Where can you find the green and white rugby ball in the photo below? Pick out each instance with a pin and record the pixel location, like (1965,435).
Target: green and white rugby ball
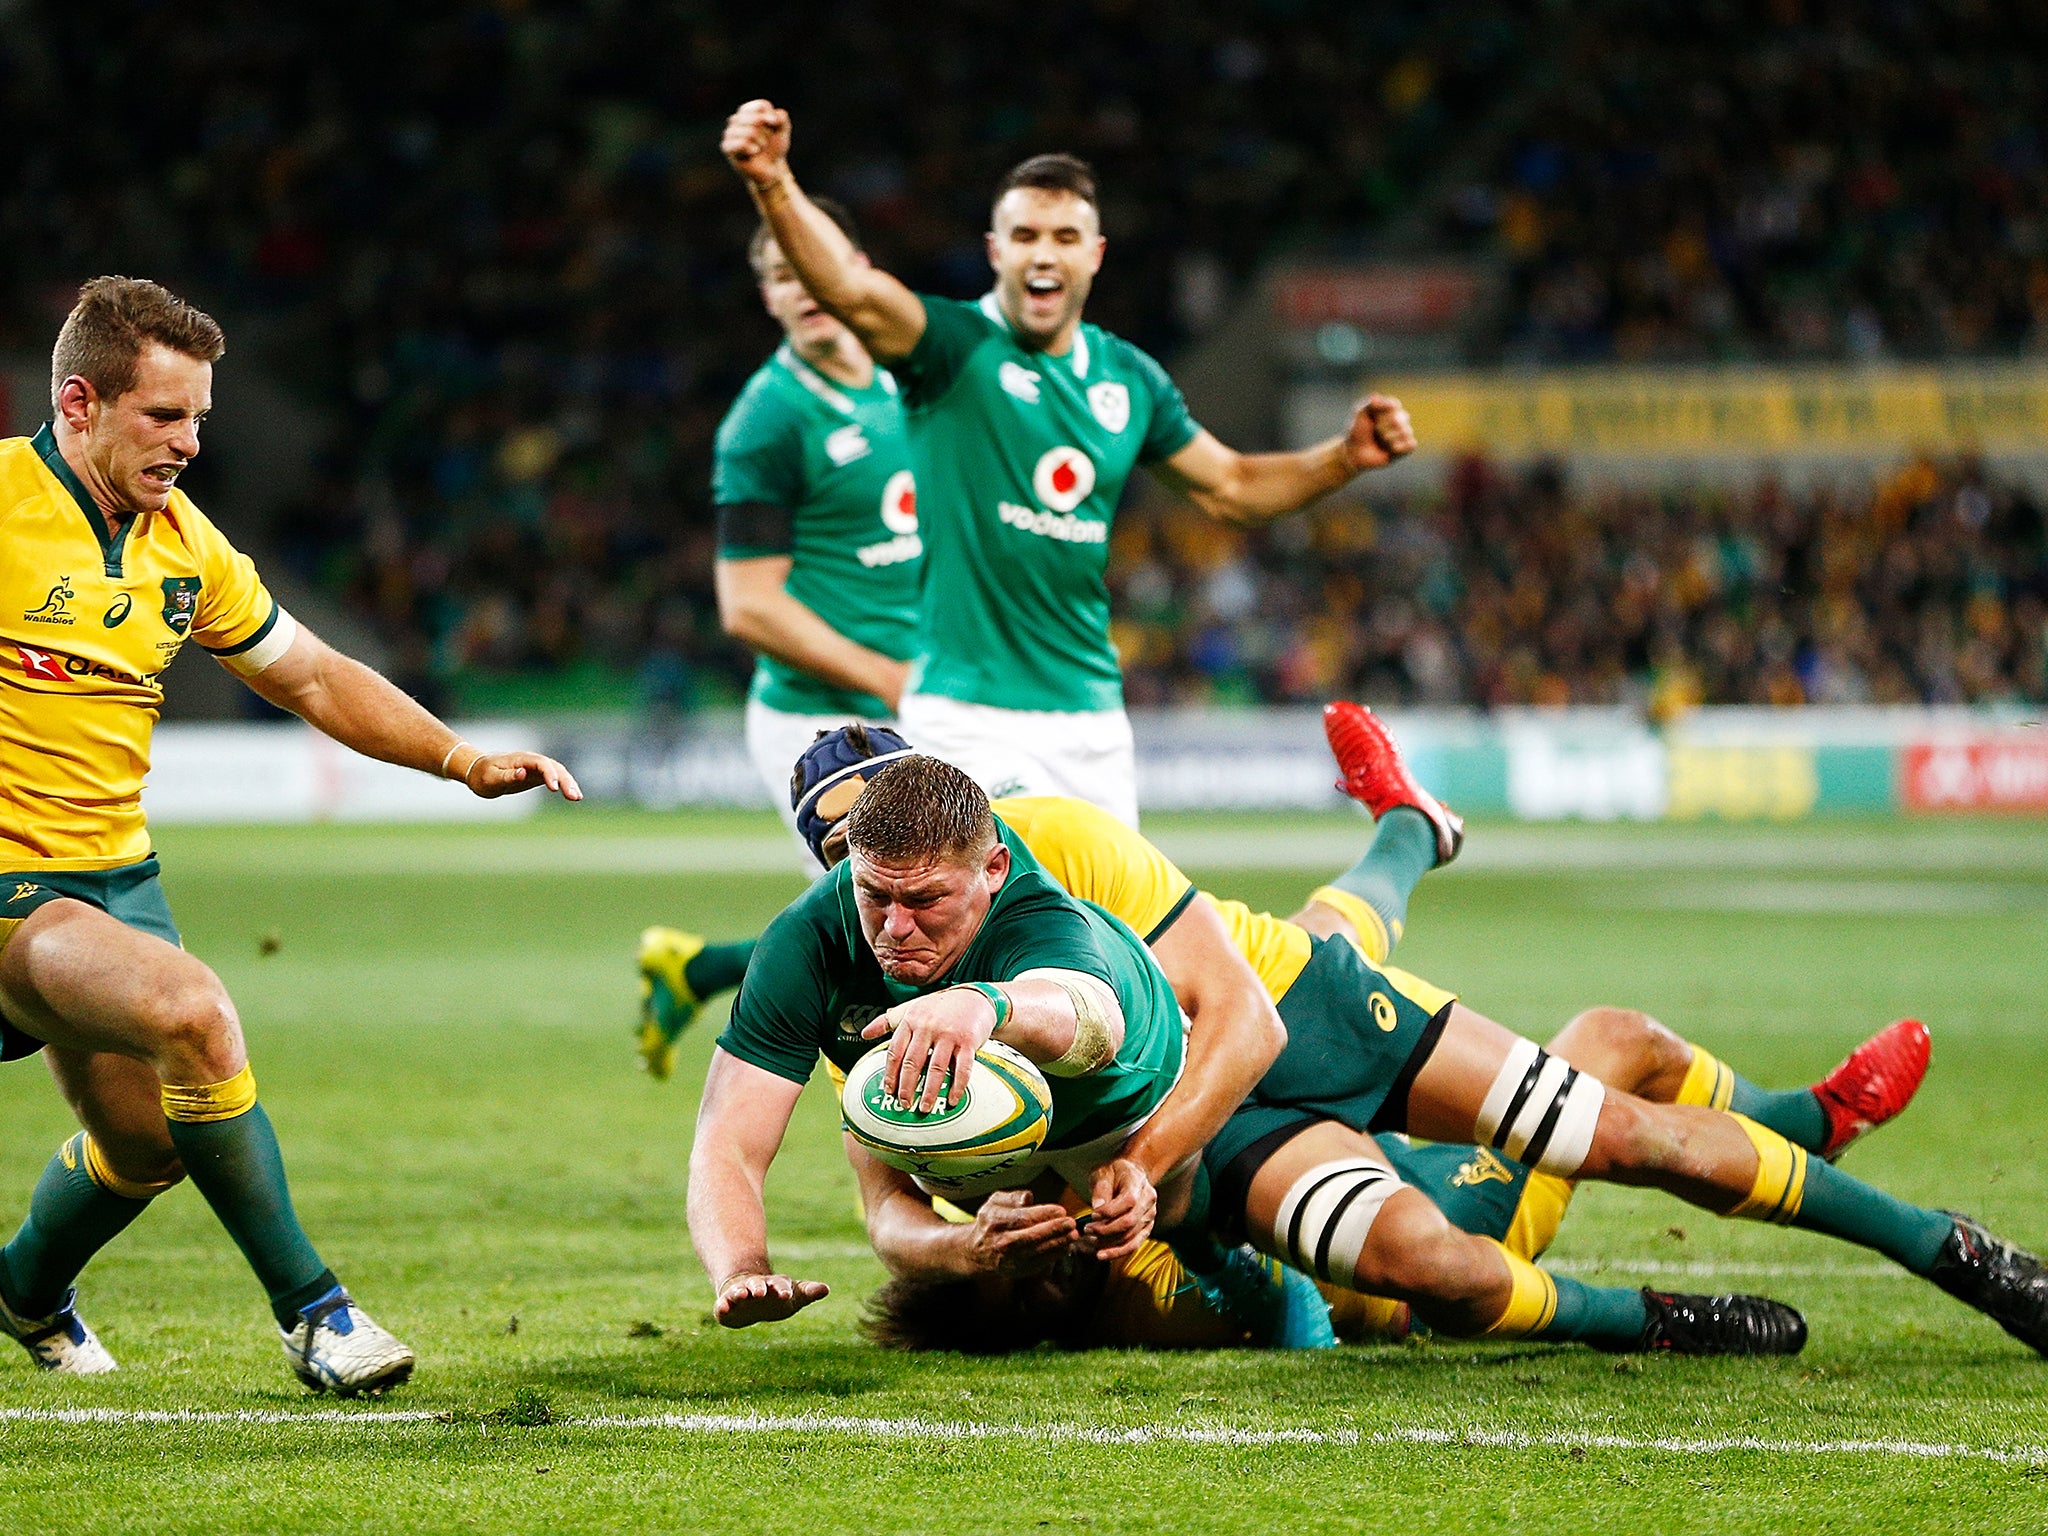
(963,1148)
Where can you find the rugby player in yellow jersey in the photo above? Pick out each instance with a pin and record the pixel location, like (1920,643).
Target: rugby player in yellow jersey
(106,571)
(1296,1172)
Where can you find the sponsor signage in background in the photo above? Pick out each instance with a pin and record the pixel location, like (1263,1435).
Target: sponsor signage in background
(1778,783)
(1401,300)
(1740,411)
(2006,772)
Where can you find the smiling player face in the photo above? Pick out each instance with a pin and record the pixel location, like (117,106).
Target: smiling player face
(1046,247)
(137,445)
(920,914)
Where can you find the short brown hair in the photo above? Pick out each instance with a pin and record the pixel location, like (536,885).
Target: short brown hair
(831,207)
(114,318)
(919,807)
(1052,173)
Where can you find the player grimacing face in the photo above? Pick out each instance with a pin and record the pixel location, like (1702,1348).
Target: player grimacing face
(1046,247)
(137,445)
(920,914)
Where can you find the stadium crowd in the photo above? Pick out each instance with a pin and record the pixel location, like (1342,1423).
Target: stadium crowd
(1931,586)
(495,243)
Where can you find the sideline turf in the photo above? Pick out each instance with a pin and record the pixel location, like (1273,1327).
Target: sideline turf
(442,1036)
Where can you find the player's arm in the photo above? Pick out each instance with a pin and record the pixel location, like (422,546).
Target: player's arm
(1237,1035)
(362,709)
(740,1125)
(1068,1022)
(885,315)
(1013,1233)
(756,608)
(1256,487)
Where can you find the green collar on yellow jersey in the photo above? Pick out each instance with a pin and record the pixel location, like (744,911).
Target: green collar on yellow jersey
(45,444)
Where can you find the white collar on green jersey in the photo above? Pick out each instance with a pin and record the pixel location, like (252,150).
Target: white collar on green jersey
(813,380)
(1077,359)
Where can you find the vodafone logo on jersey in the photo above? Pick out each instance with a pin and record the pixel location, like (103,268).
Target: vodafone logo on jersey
(1064,478)
(42,664)
(899,503)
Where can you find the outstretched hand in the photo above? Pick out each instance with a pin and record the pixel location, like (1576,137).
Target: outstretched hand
(1380,433)
(756,141)
(492,774)
(749,1299)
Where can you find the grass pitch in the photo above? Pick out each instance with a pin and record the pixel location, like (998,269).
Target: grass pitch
(442,1036)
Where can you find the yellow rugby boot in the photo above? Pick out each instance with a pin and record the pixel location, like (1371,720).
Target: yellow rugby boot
(667,1005)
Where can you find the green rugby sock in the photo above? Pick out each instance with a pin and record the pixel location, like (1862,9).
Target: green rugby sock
(717,967)
(70,1218)
(1403,851)
(236,1164)
(1794,1113)
(1842,1205)
(1605,1316)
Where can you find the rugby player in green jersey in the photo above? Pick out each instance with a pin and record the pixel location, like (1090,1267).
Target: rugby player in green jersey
(1294,1168)
(818,561)
(1025,424)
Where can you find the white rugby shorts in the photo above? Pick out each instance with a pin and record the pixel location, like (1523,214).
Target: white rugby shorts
(775,740)
(1087,754)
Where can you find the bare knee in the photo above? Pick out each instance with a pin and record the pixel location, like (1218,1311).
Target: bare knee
(195,1032)
(1417,1255)
(1625,1048)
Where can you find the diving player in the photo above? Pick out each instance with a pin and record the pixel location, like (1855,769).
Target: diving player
(1025,424)
(1368,1050)
(106,571)
(818,562)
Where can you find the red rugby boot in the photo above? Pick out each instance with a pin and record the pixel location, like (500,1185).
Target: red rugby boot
(1376,778)
(1878,1079)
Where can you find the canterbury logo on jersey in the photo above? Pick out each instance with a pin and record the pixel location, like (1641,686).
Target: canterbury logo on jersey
(847,444)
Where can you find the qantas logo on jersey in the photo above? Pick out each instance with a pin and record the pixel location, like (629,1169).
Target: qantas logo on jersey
(1064,478)
(56,667)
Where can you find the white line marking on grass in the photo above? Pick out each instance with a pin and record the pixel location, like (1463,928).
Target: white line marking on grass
(1706,1269)
(913,1428)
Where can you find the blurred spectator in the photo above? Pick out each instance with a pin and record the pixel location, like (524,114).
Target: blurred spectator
(1931,587)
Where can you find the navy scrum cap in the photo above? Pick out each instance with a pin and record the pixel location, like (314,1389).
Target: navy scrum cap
(833,771)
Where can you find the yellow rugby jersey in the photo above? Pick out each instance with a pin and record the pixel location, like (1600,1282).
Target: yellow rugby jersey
(89,619)
(1100,859)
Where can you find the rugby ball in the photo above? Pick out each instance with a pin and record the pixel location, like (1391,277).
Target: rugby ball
(963,1148)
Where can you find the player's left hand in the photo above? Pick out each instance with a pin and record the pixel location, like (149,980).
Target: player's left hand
(1124,1205)
(1380,433)
(933,1036)
(745,1300)
(508,773)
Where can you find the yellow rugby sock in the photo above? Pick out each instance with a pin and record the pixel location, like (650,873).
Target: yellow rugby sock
(1780,1184)
(1375,938)
(1708,1082)
(1532,1299)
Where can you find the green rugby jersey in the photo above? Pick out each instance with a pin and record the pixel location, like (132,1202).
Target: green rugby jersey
(1021,459)
(820,472)
(814,984)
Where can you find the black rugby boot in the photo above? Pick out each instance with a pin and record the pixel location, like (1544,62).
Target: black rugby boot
(2007,1284)
(1721,1325)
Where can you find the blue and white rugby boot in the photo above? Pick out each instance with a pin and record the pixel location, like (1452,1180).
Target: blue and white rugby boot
(60,1342)
(336,1347)
(1280,1306)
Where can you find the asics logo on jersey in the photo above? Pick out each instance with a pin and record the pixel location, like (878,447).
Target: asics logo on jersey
(847,444)
(1064,478)
(54,609)
(1020,381)
(1383,1014)
(117,611)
